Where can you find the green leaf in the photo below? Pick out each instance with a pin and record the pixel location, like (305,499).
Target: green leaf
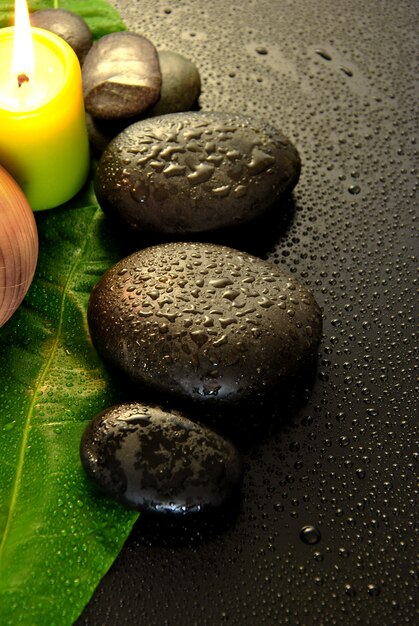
(100,16)
(58,537)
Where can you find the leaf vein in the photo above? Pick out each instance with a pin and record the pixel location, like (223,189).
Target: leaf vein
(40,382)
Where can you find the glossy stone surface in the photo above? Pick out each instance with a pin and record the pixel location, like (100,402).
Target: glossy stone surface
(194,172)
(181,84)
(159,461)
(71,27)
(121,76)
(204,323)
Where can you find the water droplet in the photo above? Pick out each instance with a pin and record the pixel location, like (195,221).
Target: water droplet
(140,191)
(199,337)
(322,53)
(174,169)
(310,535)
(346,70)
(374,590)
(222,192)
(220,282)
(350,591)
(231,294)
(201,174)
(265,303)
(260,161)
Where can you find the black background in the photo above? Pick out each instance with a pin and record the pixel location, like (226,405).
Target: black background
(338,79)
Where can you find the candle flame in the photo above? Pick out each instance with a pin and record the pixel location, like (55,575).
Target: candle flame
(23,55)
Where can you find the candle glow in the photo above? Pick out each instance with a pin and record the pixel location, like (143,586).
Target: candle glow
(30,79)
(23,54)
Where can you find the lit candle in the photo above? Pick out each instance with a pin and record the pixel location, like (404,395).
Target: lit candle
(43,136)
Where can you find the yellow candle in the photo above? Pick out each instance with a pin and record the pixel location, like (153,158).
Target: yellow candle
(43,136)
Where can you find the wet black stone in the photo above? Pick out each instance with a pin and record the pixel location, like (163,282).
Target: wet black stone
(181,84)
(121,76)
(205,324)
(71,27)
(159,461)
(195,172)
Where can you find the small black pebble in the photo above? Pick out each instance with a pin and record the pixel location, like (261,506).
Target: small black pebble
(159,461)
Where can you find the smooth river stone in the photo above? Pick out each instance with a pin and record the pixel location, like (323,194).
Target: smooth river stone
(158,461)
(121,76)
(180,89)
(67,25)
(205,324)
(181,84)
(194,172)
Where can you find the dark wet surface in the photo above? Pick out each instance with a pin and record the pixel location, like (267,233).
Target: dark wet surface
(324,532)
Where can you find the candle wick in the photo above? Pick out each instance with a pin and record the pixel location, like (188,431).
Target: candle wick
(22,78)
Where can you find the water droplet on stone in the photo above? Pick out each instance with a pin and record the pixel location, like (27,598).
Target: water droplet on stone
(140,191)
(220,282)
